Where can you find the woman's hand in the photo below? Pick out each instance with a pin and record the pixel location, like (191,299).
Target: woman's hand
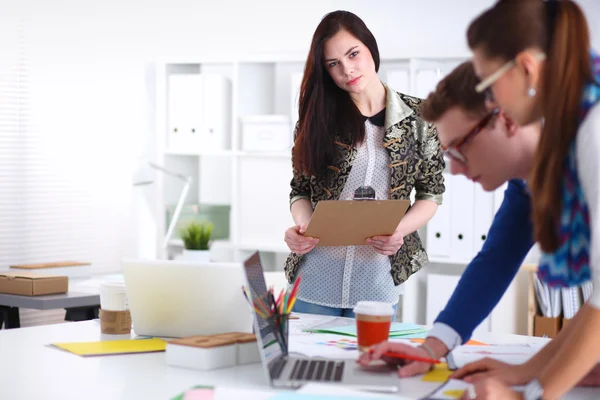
(387,245)
(486,368)
(297,242)
(491,389)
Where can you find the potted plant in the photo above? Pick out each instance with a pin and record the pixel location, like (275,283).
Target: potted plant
(196,238)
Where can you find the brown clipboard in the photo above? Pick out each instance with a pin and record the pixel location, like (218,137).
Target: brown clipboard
(351,222)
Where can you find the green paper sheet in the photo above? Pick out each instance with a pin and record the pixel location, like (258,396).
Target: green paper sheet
(397,330)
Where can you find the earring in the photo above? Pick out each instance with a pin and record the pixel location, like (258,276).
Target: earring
(531,92)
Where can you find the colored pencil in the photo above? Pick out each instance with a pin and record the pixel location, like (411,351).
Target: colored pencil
(391,354)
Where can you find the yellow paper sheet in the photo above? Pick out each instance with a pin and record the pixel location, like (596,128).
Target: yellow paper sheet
(456,394)
(439,373)
(111,347)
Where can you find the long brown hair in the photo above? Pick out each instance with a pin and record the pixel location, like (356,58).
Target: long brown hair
(558,28)
(325,110)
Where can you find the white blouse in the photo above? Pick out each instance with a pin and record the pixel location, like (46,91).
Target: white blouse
(341,276)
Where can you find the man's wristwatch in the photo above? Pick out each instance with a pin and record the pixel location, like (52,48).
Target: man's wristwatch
(533,391)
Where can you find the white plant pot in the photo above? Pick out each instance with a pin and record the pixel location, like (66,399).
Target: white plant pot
(196,255)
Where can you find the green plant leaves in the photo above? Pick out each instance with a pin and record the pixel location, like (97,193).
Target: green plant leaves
(196,235)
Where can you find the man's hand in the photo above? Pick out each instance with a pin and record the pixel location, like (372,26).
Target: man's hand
(407,367)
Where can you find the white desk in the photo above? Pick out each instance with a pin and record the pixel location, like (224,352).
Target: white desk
(31,370)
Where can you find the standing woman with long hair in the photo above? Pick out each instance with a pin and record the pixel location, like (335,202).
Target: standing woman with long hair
(355,131)
(535,62)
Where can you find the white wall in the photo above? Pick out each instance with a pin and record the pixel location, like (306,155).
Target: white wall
(124,35)
(188,29)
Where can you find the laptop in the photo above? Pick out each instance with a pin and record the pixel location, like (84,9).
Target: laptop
(288,370)
(185,298)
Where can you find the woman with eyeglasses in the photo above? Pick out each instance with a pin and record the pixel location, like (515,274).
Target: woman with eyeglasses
(534,61)
(355,131)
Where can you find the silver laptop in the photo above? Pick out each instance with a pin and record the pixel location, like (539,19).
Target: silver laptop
(185,298)
(289,370)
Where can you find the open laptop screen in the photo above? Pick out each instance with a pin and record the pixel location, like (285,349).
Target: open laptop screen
(268,345)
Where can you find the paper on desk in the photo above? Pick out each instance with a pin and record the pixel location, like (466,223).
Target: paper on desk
(469,343)
(113,347)
(397,329)
(453,389)
(224,393)
(439,373)
(508,353)
(316,396)
(197,393)
(339,390)
(308,323)
(325,346)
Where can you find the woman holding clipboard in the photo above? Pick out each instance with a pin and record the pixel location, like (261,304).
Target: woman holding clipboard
(355,131)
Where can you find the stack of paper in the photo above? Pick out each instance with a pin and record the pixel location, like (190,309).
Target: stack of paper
(397,330)
(548,298)
(508,353)
(571,298)
(587,288)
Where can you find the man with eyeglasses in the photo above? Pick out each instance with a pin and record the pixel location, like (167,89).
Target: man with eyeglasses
(486,147)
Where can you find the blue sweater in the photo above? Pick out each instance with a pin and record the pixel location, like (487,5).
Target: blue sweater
(489,274)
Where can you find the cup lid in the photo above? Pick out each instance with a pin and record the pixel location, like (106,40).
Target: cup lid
(113,285)
(373,308)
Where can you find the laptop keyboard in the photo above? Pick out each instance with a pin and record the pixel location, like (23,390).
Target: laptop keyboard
(317,370)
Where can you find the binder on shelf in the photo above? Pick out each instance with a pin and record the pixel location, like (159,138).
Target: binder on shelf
(199,115)
(184,108)
(438,232)
(484,215)
(295,100)
(462,216)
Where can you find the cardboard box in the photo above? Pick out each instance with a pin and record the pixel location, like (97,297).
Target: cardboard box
(565,322)
(546,327)
(32,284)
(71,269)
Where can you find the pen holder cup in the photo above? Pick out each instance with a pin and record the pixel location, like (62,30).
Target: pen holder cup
(281,330)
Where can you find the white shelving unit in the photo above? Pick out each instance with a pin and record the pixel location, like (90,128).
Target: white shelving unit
(256,184)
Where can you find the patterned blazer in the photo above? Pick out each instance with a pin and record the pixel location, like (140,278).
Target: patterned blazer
(416,162)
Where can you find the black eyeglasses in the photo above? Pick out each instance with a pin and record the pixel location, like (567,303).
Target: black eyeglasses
(455,151)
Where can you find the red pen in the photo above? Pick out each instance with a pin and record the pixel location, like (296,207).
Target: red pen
(391,354)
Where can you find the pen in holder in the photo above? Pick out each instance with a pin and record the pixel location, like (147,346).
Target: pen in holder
(274,312)
(280,325)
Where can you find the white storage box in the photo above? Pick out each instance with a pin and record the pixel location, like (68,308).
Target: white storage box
(247,346)
(266,133)
(202,353)
(213,351)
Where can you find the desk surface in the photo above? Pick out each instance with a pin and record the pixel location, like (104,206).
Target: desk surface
(32,370)
(50,302)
